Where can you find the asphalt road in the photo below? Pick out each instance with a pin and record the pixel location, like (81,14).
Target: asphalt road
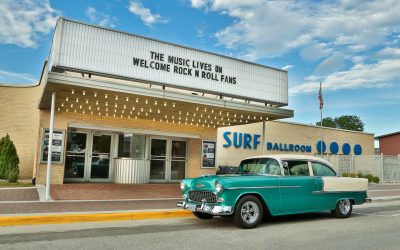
(372,226)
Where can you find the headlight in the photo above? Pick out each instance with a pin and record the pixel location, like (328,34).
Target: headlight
(183,186)
(218,187)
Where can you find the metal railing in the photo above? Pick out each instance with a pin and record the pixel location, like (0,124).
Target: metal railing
(386,167)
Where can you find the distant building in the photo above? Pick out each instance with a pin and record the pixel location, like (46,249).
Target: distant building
(389,144)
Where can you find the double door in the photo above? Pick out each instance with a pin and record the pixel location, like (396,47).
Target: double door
(88,156)
(168,159)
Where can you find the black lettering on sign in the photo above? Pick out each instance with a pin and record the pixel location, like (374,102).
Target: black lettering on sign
(218,69)
(156,56)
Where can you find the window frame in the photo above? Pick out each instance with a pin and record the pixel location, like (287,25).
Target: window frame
(331,168)
(283,161)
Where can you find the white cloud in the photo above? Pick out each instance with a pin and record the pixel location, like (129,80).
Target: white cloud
(315,51)
(100,18)
(23,22)
(287,67)
(263,29)
(377,75)
(199,3)
(16,77)
(330,64)
(389,52)
(137,8)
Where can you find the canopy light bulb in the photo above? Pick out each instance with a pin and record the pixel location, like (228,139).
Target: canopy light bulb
(83,92)
(72,91)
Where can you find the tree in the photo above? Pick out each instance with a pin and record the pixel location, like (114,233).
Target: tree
(327,122)
(8,160)
(349,122)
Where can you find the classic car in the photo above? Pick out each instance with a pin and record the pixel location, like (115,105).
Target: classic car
(273,185)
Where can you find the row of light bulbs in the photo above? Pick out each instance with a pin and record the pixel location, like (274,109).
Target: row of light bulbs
(150,110)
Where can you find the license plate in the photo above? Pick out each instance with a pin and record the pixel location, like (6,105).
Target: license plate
(192,207)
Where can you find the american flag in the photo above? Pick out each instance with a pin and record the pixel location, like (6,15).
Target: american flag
(321,100)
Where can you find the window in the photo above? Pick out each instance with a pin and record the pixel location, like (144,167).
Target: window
(131,145)
(260,166)
(320,169)
(298,168)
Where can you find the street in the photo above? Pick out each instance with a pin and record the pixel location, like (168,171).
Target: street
(372,226)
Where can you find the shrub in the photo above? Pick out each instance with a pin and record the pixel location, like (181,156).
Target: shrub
(376,179)
(8,160)
(370,177)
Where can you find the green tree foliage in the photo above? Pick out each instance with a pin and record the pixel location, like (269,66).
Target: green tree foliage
(8,160)
(349,122)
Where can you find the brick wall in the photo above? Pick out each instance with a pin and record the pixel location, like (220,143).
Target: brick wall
(390,145)
(19,116)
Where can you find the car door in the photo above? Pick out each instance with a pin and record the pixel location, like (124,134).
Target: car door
(296,187)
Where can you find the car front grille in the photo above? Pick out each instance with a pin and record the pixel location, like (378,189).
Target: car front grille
(198,196)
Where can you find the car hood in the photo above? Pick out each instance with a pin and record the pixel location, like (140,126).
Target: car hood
(227,181)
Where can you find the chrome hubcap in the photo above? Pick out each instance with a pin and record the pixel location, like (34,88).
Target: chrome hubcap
(344,206)
(250,212)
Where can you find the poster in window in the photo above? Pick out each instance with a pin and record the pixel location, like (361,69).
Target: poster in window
(57,148)
(208,154)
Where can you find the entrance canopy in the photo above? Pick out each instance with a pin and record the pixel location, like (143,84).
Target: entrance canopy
(84,93)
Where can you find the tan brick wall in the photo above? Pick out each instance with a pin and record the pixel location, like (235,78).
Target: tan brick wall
(289,133)
(19,116)
(194,162)
(63,120)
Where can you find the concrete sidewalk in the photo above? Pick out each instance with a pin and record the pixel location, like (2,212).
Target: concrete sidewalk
(14,212)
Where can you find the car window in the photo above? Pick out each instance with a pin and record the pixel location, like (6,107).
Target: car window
(260,166)
(298,168)
(253,166)
(272,167)
(320,169)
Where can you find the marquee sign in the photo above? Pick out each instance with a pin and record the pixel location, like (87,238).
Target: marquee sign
(97,49)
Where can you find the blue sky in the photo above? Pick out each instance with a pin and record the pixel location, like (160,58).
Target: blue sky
(351,46)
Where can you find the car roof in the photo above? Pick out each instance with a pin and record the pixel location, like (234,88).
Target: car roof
(280,157)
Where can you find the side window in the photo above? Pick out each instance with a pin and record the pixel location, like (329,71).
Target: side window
(320,169)
(298,168)
(272,167)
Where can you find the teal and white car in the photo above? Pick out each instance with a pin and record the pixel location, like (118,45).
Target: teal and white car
(273,185)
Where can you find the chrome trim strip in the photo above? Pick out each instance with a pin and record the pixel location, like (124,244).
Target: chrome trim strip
(337,192)
(262,187)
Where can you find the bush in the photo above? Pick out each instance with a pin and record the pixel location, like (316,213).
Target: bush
(8,160)
(371,178)
(376,179)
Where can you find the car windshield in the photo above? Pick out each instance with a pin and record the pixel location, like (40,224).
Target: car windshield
(260,166)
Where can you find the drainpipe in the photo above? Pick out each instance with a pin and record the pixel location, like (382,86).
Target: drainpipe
(50,149)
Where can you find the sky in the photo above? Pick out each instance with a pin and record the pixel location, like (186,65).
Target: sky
(351,46)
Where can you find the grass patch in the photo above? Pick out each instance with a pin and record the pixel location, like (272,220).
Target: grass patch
(16,184)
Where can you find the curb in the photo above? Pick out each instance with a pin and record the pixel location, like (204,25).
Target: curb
(384,198)
(91,217)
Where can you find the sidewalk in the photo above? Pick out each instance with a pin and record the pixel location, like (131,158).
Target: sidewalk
(106,202)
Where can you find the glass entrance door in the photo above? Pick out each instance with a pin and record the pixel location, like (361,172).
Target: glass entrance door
(100,158)
(75,156)
(167,160)
(158,160)
(178,160)
(88,156)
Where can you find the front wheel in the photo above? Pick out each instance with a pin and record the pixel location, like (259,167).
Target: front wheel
(248,212)
(203,216)
(343,209)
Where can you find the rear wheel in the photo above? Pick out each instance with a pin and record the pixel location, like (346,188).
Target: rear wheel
(343,209)
(203,216)
(248,212)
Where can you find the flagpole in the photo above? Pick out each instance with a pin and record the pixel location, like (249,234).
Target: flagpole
(321,106)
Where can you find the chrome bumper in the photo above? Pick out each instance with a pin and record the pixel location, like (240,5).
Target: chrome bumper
(205,208)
